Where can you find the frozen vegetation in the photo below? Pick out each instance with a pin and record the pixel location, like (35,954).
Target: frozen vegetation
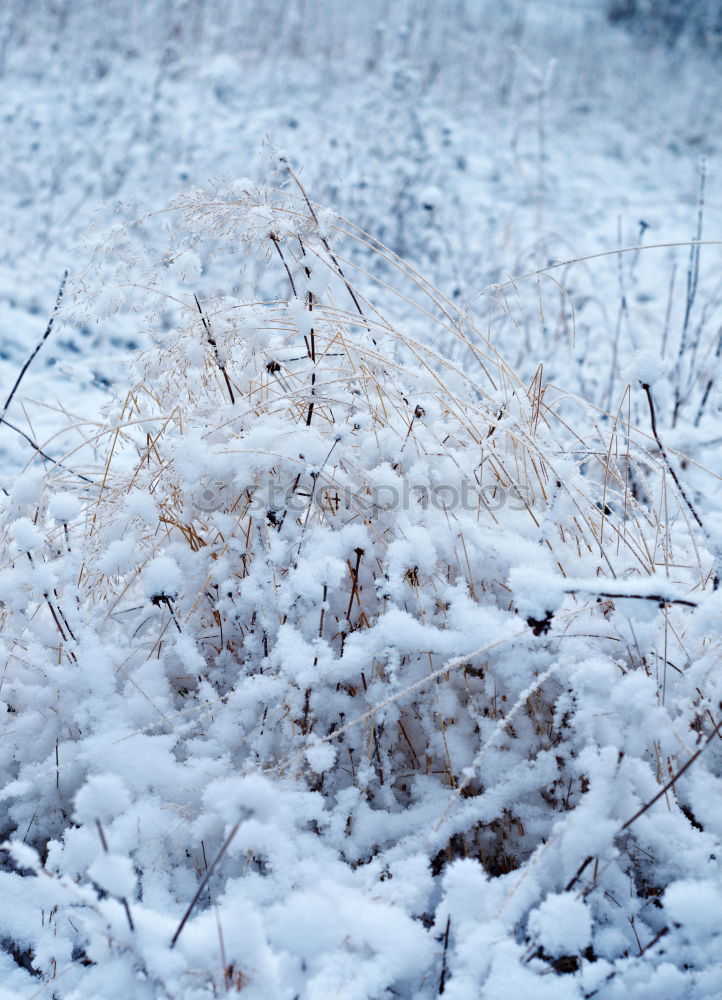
(360,538)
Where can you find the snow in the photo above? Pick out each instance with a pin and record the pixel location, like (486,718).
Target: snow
(26,534)
(320,756)
(646,367)
(64,507)
(187,266)
(162,578)
(695,905)
(357,636)
(561,924)
(113,873)
(101,798)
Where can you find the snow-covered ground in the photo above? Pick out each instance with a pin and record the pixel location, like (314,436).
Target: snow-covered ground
(360,636)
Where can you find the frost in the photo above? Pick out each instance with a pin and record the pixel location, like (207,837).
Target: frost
(301,316)
(326,222)
(187,266)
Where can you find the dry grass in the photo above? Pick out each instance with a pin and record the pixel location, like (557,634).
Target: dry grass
(320,391)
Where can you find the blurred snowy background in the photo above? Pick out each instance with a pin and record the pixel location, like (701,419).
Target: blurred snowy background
(477,138)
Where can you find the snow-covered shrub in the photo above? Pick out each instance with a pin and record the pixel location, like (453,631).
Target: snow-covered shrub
(355,670)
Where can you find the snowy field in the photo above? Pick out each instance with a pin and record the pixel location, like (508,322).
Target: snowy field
(360,535)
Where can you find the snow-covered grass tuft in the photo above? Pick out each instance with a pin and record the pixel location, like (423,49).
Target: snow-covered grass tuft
(356,670)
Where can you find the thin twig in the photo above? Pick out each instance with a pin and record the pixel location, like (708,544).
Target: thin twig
(657,598)
(648,805)
(43,454)
(33,355)
(276,242)
(18,380)
(214,345)
(692,282)
(695,515)
(327,248)
(442,977)
(204,883)
(124,901)
(673,780)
